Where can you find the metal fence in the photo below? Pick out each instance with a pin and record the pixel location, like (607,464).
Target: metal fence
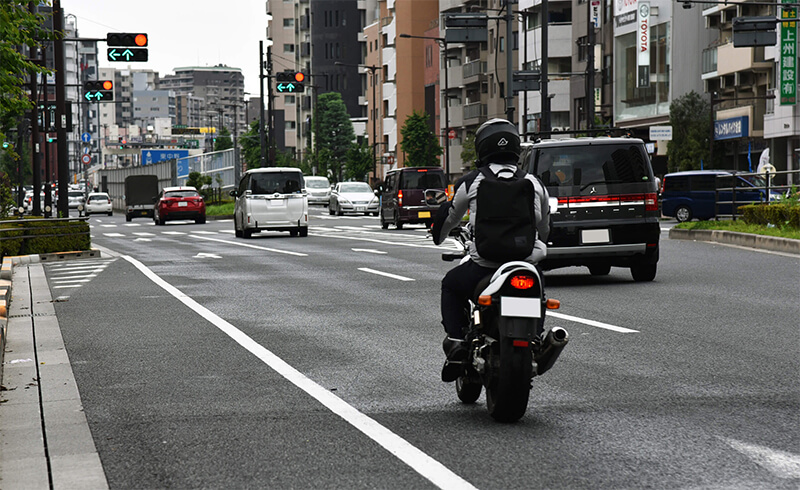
(775,184)
(219,165)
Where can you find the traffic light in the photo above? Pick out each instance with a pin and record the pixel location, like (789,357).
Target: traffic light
(127,46)
(290,81)
(98,90)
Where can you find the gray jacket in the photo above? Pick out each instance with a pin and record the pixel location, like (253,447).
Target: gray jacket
(465,199)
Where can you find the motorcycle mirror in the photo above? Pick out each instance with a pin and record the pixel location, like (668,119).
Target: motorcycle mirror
(434,197)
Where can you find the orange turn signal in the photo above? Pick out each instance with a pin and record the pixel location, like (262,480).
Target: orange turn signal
(553,304)
(485,300)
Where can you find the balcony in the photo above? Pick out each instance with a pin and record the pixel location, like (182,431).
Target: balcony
(473,71)
(474,112)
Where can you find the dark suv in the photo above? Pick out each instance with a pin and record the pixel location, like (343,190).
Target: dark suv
(403,195)
(607,203)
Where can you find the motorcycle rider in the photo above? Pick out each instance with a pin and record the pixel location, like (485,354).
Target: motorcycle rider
(497,144)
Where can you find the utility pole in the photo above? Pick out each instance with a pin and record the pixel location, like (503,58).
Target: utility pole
(35,155)
(270,115)
(61,111)
(262,125)
(509,17)
(546,124)
(589,67)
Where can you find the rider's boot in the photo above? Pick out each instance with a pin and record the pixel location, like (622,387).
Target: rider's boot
(456,352)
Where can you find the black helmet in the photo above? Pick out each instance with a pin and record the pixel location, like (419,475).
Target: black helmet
(497,140)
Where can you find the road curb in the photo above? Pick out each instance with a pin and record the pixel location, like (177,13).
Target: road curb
(762,242)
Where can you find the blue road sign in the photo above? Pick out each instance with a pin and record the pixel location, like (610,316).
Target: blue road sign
(86,137)
(183,169)
(155,156)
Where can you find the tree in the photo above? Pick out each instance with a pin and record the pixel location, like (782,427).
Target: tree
(199,182)
(224,141)
(250,143)
(333,132)
(469,156)
(420,145)
(359,162)
(689,117)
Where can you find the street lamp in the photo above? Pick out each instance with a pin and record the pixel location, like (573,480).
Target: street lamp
(372,69)
(443,44)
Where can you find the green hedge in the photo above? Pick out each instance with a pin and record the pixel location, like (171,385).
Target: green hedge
(777,214)
(71,236)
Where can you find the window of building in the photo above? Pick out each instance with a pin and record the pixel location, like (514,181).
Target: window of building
(502,44)
(289,22)
(632,101)
(290,125)
(289,99)
(583,48)
(288,48)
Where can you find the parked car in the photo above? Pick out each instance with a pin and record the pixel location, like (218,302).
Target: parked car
(693,194)
(318,189)
(176,203)
(271,198)
(98,202)
(75,198)
(402,195)
(607,203)
(353,197)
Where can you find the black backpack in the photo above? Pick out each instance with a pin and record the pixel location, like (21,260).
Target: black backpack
(505,222)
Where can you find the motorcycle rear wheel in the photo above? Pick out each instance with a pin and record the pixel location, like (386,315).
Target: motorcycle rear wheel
(508,390)
(468,390)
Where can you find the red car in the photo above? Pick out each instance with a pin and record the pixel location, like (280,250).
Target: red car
(179,203)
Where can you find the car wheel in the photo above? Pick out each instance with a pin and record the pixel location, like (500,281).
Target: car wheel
(397,223)
(683,213)
(201,220)
(128,217)
(161,220)
(384,223)
(600,269)
(339,211)
(292,232)
(247,233)
(644,272)
(303,231)
(236,231)
(111,213)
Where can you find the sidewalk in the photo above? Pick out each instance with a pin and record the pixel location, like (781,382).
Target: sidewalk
(45,440)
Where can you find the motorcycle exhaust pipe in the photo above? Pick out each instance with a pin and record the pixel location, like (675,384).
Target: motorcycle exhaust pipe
(554,341)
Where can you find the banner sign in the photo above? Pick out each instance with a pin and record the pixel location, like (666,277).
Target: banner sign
(788,75)
(643,44)
(735,127)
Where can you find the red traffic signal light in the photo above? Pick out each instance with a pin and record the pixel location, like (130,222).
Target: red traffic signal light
(126,39)
(299,77)
(107,85)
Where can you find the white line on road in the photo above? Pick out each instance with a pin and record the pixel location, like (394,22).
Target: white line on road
(780,463)
(386,274)
(143,233)
(113,235)
(368,250)
(298,254)
(591,322)
(434,471)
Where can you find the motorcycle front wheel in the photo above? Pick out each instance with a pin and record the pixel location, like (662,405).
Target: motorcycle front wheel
(468,390)
(510,384)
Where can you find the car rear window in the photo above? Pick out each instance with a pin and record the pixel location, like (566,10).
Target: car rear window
(181,194)
(276,182)
(422,180)
(75,194)
(317,184)
(567,166)
(98,198)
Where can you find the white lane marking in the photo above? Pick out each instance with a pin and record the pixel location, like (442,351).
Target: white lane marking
(132,224)
(173,233)
(71,280)
(591,322)
(386,242)
(143,233)
(143,240)
(205,232)
(68,286)
(113,235)
(434,471)
(228,231)
(386,274)
(109,226)
(203,255)
(780,463)
(287,252)
(83,267)
(368,250)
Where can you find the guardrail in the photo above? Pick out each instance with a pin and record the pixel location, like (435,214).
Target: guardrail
(726,183)
(22,226)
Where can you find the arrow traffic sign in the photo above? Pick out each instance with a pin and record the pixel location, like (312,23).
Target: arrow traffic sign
(290,87)
(127,54)
(98,96)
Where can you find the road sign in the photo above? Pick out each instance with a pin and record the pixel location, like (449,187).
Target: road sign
(86,150)
(86,159)
(452,134)
(155,156)
(86,137)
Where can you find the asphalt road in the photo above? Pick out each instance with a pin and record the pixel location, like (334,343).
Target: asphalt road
(205,360)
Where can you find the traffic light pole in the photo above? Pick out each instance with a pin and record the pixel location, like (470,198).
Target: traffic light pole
(35,155)
(61,130)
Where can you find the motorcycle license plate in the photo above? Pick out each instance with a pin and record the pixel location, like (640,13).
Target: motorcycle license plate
(521,307)
(424,214)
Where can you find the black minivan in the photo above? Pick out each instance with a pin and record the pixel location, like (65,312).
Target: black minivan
(607,203)
(403,195)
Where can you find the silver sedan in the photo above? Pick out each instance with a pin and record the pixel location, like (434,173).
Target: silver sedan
(353,197)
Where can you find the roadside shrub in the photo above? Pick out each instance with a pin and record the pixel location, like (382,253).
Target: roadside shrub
(69,236)
(777,214)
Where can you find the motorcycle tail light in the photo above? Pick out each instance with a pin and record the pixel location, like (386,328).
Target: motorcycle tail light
(522,282)
(485,300)
(521,343)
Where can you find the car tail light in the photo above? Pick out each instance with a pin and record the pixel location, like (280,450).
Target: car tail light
(651,202)
(400,198)
(522,282)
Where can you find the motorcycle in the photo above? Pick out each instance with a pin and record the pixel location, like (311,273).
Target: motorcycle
(507,343)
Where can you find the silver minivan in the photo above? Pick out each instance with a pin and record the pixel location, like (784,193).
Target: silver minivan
(271,199)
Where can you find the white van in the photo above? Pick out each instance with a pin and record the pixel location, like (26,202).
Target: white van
(271,199)
(319,190)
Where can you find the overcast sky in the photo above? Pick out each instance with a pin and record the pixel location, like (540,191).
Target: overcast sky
(181,32)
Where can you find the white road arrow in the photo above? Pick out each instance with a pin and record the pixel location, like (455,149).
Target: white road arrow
(203,255)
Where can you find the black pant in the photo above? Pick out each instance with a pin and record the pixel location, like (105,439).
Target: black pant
(458,286)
